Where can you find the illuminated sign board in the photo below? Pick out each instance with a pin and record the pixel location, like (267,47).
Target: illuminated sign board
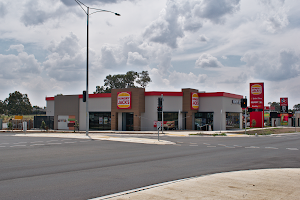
(194,101)
(124,100)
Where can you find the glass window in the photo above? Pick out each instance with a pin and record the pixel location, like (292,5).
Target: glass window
(170,120)
(232,121)
(100,121)
(204,121)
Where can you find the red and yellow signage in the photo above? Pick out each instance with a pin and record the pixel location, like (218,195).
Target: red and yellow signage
(124,100)
(257,95)
(194,101)
(257,102)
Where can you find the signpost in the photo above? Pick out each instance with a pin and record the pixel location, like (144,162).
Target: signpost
(257,104)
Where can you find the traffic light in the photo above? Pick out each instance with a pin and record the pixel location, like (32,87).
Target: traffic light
(159,104)
(244,103)
(84,96)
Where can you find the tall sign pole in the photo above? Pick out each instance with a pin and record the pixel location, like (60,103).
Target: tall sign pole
(257,105)
(162,114)
(87,76)
(245,118)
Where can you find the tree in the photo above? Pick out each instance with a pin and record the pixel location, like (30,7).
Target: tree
(127,80)
(144,79)
(2,107)
(296,107)
(18,103)
(276,105)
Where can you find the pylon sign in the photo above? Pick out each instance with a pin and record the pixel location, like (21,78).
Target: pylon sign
(257,104)
(284,104)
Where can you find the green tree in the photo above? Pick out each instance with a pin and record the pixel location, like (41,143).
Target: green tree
(296,107)
(2,107)
(144,79)
(276,105)
(127,80)
(18,103)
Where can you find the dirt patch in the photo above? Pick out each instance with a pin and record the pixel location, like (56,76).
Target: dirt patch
(270,131)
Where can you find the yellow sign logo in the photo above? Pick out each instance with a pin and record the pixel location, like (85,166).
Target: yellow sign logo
(124,100)
(195,101)
(256,89)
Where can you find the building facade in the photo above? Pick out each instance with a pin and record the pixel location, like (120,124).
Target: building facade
(136,109)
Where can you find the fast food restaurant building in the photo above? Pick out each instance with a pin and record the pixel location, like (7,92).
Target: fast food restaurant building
(136,109)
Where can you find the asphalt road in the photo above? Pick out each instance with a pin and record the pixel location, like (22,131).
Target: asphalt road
(58,168)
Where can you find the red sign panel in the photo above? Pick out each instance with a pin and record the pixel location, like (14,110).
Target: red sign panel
(194,101)
(257,95)
(283,101)
(124,100)
(257,102)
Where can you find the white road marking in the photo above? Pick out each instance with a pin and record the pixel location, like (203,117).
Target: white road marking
(206,143)
(252,147)
(70,142)
(54,143)
(292,149)
(271,148)
(21,143)
(222,145)
(65,139)
(84,141)
(36,142)
(37,145)
(237,146)
(18,146)
(193,145)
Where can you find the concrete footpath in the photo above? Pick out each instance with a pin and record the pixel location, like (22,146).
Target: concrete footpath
(251,184)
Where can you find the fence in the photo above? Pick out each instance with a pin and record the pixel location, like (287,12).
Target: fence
(49,121)
(17,124)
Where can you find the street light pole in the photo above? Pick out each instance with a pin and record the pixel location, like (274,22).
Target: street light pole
(87,12)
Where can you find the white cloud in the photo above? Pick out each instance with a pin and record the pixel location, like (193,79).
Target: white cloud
(181,79)
(67,61)
(181,16)
(18,47)
(207,61)
(18,66)
(134,58)
(224,57)
(203,38)
(273,66)
(3,10)
(216,10)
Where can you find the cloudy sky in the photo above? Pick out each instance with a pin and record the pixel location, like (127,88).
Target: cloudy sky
(209,45)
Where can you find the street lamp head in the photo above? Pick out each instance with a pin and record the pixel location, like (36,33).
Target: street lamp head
(117,14)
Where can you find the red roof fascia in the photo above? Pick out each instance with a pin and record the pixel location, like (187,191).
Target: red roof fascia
(220,94)
(49,98)
(156,93)
(99,95)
